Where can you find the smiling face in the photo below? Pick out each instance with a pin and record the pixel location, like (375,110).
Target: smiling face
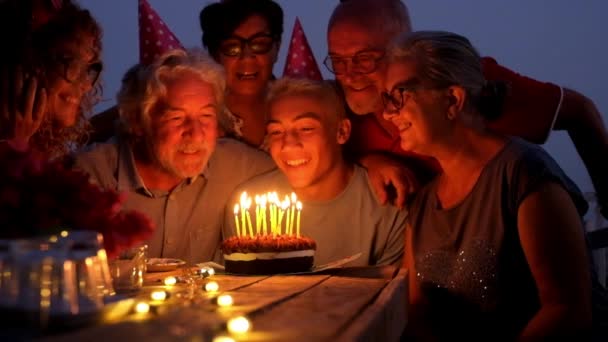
(422,120)
(64,103)
(305,139)
(362,90)
(183,127)
(248,73)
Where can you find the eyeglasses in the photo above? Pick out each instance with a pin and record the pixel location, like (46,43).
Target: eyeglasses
(74,70)
(394,100)
(363,62)
(259,44)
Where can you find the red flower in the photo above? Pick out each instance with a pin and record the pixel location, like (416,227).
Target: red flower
(40,197)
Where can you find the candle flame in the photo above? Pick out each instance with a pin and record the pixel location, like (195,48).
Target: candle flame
(263,200)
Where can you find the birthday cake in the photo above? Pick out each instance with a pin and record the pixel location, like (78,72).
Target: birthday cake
(268,254)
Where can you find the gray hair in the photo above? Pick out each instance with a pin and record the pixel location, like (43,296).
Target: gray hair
(129,98)
(143,87)
(444,59)
(389,16)
(326,91)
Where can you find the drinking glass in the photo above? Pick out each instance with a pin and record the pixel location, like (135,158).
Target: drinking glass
(92,263)
(128,269)
(46,281)
(8,283)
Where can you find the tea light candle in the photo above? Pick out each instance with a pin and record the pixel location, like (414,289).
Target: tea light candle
(142,307)
(212,286)
(224,300)
(238,325)
(158,295)
(170,281)
(223,339)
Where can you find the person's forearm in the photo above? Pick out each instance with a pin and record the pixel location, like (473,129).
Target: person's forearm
(556,321)
(584,124)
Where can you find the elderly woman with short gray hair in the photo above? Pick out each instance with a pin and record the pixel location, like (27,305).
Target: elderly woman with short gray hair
(494,243)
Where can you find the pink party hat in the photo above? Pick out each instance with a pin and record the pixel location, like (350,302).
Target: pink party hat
(300,61)
(155,38)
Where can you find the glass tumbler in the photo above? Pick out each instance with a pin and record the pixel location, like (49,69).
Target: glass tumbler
(128,269)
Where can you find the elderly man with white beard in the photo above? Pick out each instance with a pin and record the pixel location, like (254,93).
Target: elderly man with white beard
(169,161)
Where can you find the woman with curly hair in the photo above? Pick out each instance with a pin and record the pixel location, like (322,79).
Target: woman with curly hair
(50,79)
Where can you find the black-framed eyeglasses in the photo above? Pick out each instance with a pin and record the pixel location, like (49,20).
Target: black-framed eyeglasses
(363,62)
(74,70)
(394,100)
(259,44)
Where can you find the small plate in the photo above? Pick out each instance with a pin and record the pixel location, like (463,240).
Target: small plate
(163,264)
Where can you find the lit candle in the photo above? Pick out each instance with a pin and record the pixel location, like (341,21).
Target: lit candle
(257,214)
(249,225)
(142,307)
(287,211)
(272,213)
(277,205)
(223,338)
(236,219)
(280,220)
(224,300)
(170,281)
(212,286)
(299,207)
(263,204)
(284,207)
(158,295)
(243,222)
(238,325)
(294,201)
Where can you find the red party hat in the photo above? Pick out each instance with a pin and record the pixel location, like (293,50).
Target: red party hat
(300,61)
(155,38)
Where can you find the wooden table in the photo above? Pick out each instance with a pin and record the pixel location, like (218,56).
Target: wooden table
(349,304)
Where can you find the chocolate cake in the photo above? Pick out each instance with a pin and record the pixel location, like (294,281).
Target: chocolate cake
(265,254)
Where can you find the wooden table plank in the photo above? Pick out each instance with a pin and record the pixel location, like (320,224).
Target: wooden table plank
(322,311)
(269,292)
(386,318)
